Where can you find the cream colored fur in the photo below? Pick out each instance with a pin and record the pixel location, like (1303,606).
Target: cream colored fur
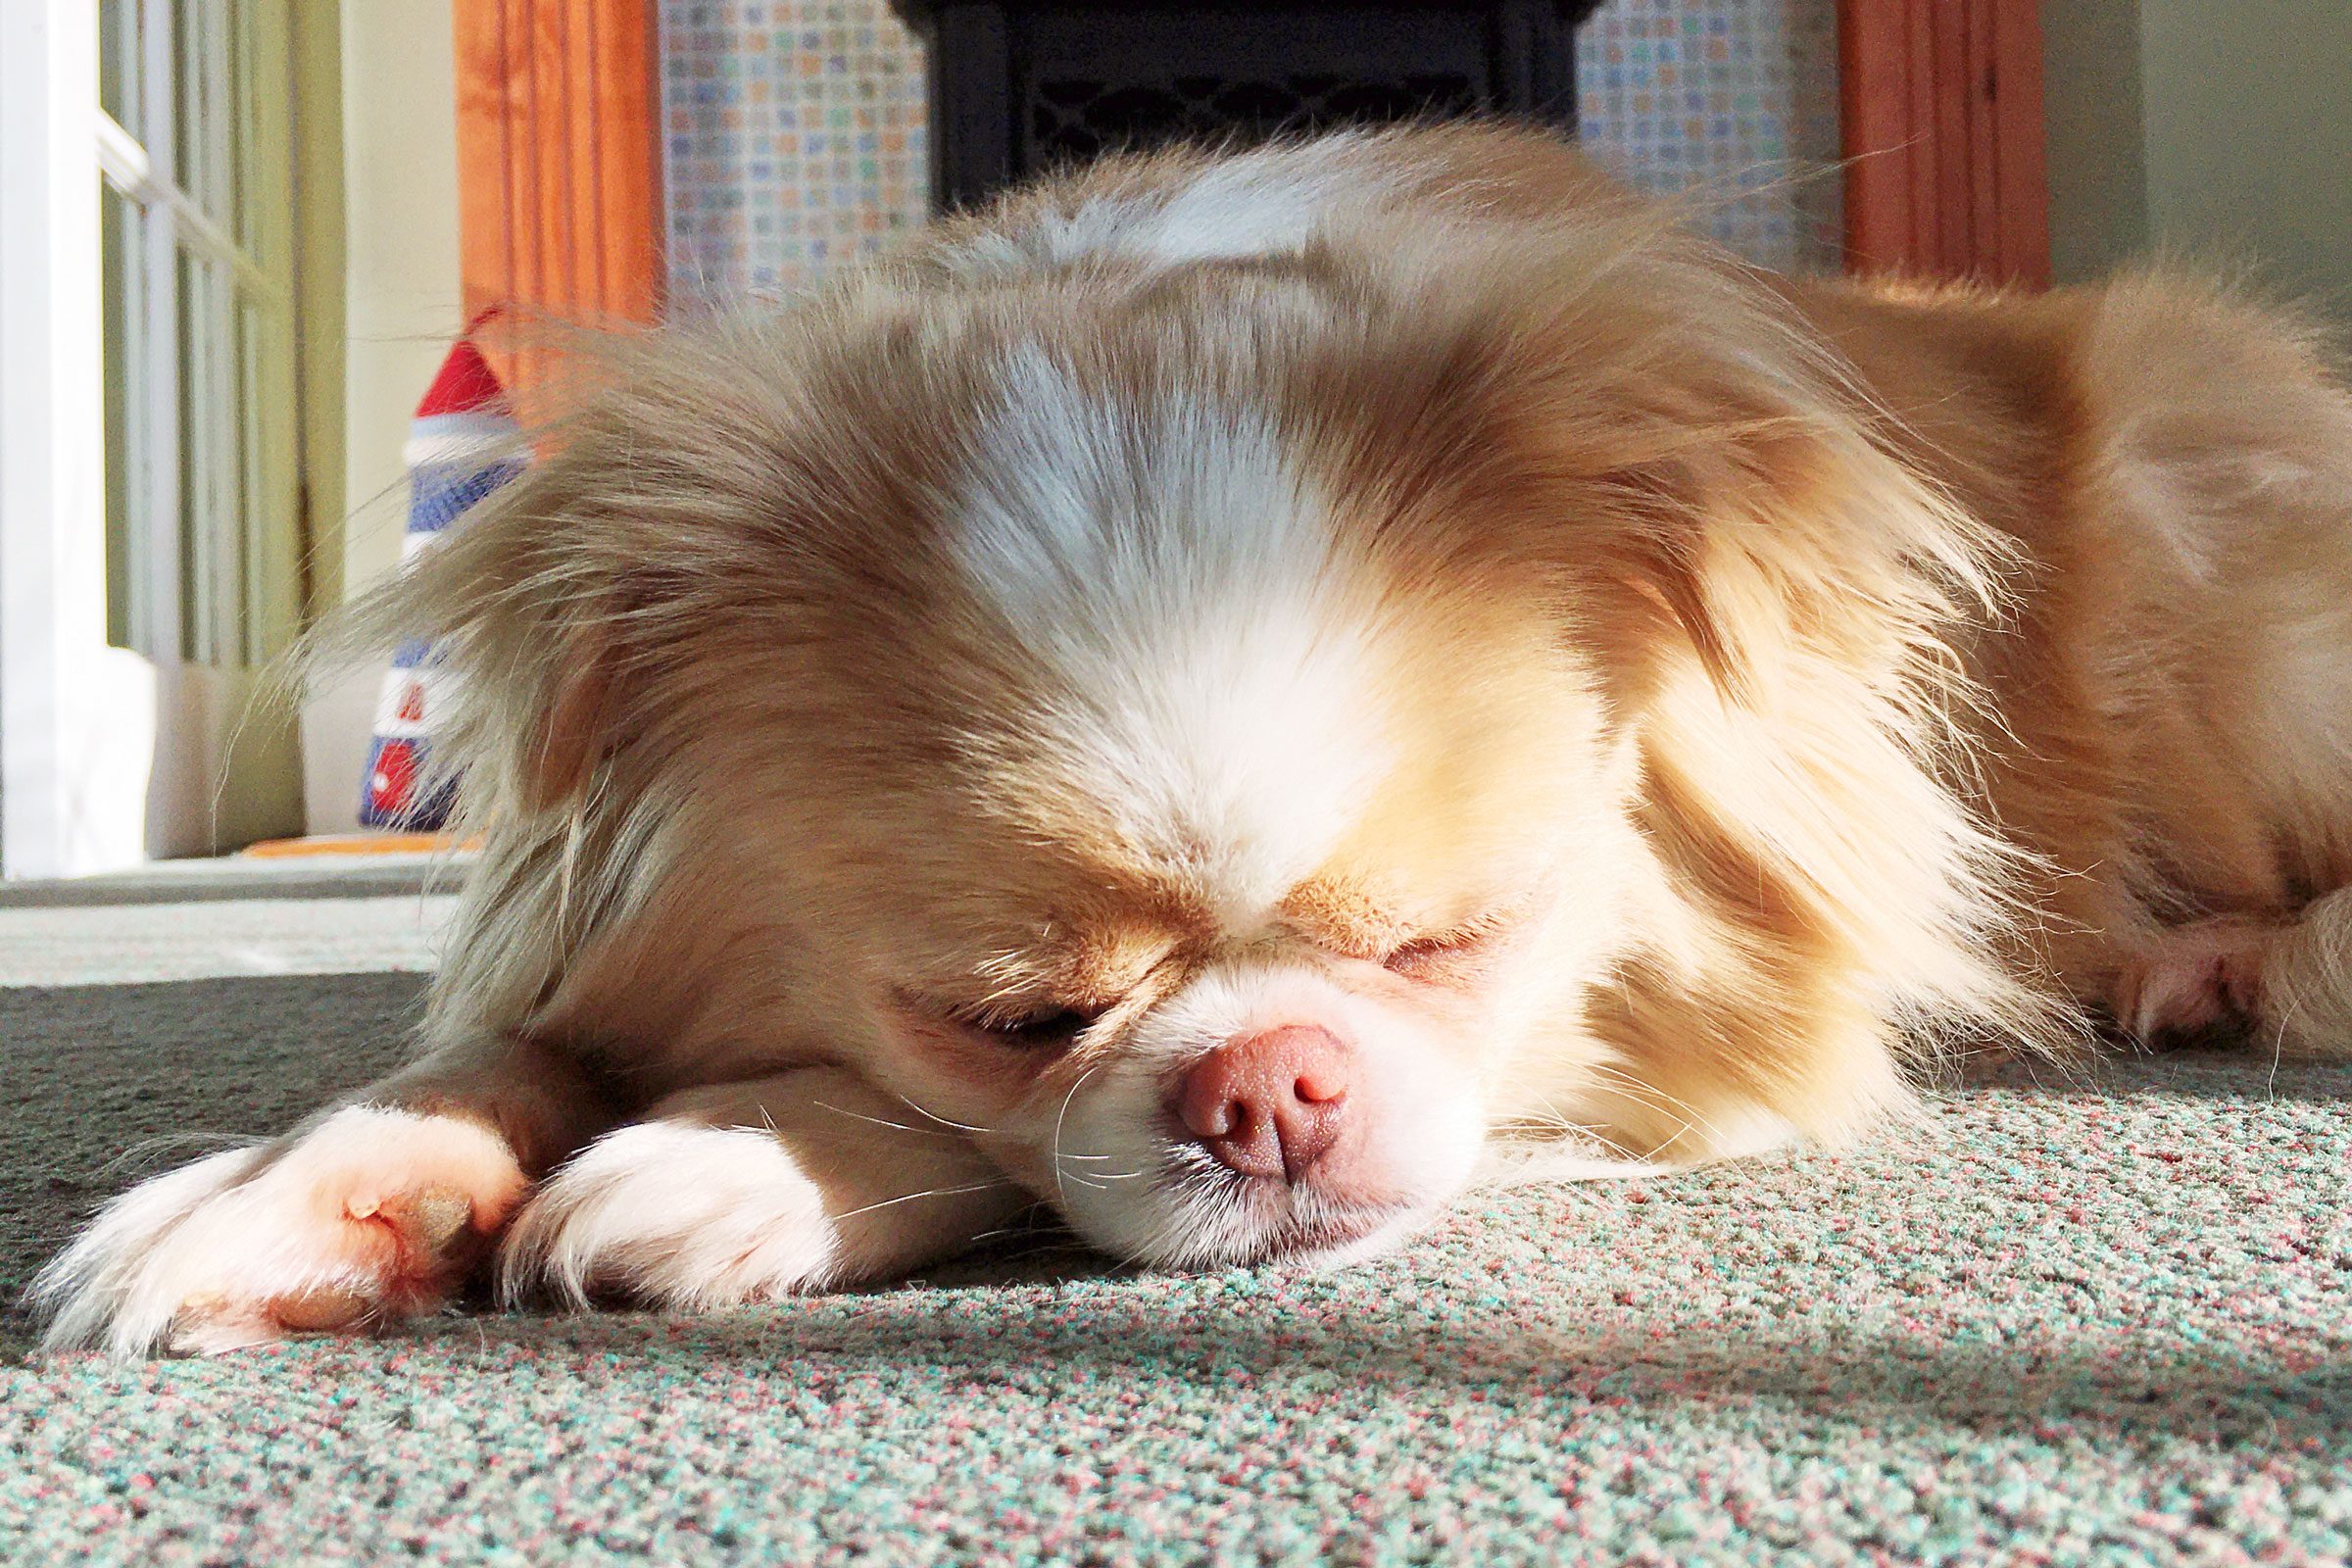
(1401,585)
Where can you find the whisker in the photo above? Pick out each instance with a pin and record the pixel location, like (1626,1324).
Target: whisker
(879,1122)
(1059,1118)
(1623,1076)
(147,1148)
(933,1115)
(908,1197)
(1667,1143)
(1561,1122)
(1636,1094)
(1671,1101)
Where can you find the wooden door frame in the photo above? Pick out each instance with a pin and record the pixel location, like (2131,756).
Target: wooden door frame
(560,216)
(1941,122)
(560,156)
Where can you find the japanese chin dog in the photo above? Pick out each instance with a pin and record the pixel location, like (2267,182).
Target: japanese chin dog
(1238,697)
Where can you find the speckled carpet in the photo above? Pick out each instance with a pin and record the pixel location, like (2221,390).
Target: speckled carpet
(2065,1323)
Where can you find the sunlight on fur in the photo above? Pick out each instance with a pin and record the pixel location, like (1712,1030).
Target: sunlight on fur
(1231,699)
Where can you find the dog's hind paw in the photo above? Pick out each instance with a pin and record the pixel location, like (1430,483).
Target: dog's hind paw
(371,1216)
(2192,979)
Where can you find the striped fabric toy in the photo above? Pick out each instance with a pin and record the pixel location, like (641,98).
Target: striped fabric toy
(460,448)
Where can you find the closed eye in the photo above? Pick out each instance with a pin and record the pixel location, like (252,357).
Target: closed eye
(1441,953)
(1052,1029)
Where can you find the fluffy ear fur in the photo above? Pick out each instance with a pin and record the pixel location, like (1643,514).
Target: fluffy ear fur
(1826,600)
(1786,615)
(536,593)
(506,593)
(579,730)
(1830,601)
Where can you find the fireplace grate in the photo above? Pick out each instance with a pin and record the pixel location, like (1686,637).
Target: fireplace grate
(1073,118)
(1019,89)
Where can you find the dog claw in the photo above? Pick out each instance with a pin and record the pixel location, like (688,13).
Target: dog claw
(436,1216)
(319,1311)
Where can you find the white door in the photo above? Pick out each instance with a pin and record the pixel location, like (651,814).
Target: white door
(150,486)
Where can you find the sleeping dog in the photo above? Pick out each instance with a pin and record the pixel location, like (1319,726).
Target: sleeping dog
(1239,696)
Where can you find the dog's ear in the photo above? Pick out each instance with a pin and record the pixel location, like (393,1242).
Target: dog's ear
(559,755)
(1785,547)
(1806,750)
(549,671)
(529,641)
(1675,559)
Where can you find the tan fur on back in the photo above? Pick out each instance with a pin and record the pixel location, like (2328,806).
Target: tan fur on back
(2178,464)
(1390,632)
(1934,645)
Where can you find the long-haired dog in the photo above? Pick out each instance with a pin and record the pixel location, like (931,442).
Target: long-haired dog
(1239,695)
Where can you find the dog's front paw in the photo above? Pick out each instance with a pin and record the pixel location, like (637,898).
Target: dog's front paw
(675,1214)
(371,1216)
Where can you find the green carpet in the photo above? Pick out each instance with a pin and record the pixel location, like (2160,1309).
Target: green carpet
(2061,1324)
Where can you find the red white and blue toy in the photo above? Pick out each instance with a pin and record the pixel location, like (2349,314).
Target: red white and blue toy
(462,446)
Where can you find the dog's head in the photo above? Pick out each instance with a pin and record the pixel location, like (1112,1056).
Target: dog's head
(1230,831)
(1233,729)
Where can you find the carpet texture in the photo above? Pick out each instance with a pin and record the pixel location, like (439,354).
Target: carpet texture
(2064,1323)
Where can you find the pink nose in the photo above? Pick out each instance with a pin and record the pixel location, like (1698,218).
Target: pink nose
(1269,1105)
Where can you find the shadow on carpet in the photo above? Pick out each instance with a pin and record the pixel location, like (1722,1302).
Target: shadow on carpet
(2082,1318)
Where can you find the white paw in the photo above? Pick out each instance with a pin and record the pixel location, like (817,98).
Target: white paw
(675,1214)
(371,1216)
(2193,977)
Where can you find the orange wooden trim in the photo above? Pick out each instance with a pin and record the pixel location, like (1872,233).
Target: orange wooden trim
(356,843)
(1947,122)
(2020,158)
(559,168)
(1941,119)
(1916,45)
(486,239)
(1979,63)
(1873,119)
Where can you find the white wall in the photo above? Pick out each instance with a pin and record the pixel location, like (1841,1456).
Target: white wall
(2249,136)
(2098,163)
(402,307)
(2220,132)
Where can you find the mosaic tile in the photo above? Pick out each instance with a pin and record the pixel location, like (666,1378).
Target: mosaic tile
(796,139)
(1734,101)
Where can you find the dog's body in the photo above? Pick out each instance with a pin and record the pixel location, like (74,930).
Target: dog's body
(1236,695)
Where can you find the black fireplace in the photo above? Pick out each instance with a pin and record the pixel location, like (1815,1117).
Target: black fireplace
(1019,87)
